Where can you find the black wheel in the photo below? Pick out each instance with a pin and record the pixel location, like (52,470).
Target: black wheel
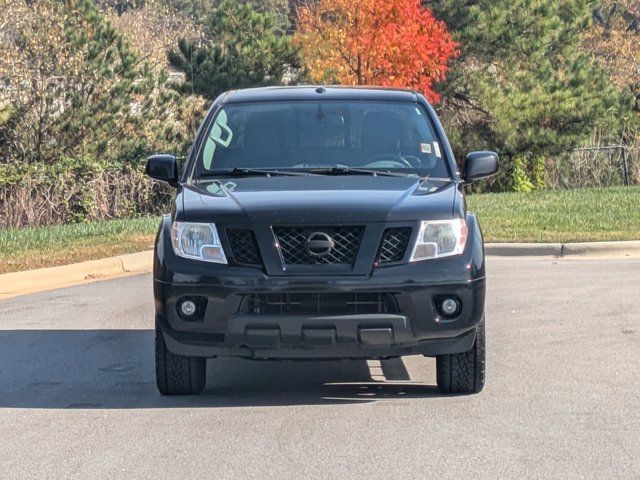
(463,372)
(178,374)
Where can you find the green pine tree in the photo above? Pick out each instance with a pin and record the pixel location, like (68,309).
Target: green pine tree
(244,48)
(523,84)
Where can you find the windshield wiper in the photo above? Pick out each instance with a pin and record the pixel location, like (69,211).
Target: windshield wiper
(247,172)
(354,171)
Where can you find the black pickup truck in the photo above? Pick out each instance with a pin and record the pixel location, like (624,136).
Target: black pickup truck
(320,223)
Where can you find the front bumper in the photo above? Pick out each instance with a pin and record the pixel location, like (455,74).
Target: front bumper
(414,327)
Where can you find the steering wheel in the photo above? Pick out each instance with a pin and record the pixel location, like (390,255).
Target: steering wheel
(389,156)
(412,160)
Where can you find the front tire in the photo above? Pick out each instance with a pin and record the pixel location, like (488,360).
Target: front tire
(463,372)
(178,374)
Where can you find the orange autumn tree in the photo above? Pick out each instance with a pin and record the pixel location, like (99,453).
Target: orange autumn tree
(371,42)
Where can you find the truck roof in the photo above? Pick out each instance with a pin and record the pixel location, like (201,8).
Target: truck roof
(316,92)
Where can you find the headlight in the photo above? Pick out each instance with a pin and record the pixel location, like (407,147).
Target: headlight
(440,238)
(199,241)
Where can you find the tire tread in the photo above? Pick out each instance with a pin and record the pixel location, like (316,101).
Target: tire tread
(177,374)
(463,372)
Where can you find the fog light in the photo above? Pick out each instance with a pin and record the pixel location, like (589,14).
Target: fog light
(188,308)
(450,306)
(191,308)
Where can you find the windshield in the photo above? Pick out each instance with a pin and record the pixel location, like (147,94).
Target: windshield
(307,136)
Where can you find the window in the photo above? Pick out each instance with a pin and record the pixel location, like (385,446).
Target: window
(389,136)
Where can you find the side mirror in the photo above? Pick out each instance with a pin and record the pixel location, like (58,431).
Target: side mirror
(163,167)
(480,165)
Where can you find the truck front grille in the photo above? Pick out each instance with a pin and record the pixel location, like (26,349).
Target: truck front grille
(318,303)
(295,243)
(394,244)
(244,246)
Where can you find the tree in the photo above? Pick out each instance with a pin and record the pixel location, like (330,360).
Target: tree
(279,9)
(199,10)
(523,83)
(71,86)
(615,41)
(152,29)
(369,42)
(243,48)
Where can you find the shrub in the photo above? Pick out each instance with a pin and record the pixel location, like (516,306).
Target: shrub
(76,191)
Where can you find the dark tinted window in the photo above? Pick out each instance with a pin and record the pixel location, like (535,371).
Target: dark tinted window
(299,135)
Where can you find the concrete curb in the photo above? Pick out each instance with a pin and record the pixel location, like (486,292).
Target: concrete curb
(523,249)
(32,281)
(602,249)
(629,249)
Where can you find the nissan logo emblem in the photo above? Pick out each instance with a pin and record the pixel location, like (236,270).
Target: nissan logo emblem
(319,244)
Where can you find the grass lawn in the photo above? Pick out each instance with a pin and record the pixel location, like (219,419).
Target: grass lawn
(29,248)
(597,214)
(548,216)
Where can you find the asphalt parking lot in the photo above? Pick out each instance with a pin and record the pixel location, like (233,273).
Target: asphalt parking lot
(78,397)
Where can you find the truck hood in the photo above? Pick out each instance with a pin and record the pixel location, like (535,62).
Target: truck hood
(317,199)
